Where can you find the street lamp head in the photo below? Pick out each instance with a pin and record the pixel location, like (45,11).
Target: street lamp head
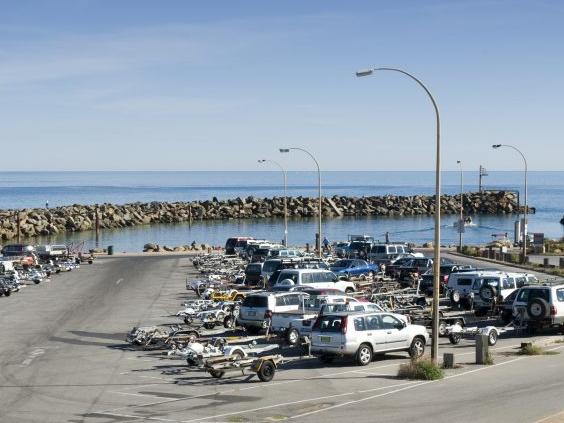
(496,145)
(458,161)
(364,72)
(284,150)
(261,160)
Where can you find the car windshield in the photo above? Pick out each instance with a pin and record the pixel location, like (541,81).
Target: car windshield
(379,249)
(342,263)
(253,269)
(261,251)
(526,295)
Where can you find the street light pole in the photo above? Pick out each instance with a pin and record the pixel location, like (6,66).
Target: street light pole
(526,210)
(287,150)
(285,198)
(461,222)
(437,243)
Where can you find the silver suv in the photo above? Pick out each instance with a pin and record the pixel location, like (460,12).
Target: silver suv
(540,306)
(361,335)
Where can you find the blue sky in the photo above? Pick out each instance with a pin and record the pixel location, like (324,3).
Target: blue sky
(186,85)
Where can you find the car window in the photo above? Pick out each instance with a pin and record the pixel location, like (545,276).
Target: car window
(527,295)
(307,278)
(560,294)
(491,282)
(392,249)
(281,301)
(328,324)
(401,249)
(255,301)
(521,281)
(464,281)
(293,300)
(389,322)
(373,323)
(508,283)
(359,323)
(379,249)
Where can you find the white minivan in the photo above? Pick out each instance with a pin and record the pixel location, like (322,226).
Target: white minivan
(312,278)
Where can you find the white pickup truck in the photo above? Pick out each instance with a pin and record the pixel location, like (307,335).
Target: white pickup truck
(296,324)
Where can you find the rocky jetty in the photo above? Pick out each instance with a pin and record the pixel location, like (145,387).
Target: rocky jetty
(35,222)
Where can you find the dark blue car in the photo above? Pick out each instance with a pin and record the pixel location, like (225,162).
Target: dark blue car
(354,267)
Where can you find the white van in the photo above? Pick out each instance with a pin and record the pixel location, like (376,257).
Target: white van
(383,252)
(312,278)
(256,309)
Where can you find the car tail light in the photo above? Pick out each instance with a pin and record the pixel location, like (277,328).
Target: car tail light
(553,310)
(268,314)
(445,279)
(344,320)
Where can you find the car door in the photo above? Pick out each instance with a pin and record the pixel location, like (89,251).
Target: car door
(375,332)
(396,338)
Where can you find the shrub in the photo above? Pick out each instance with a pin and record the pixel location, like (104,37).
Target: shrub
(532,349)
(489,359)
(423,369)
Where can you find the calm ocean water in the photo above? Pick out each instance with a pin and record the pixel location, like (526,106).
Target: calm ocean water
(34,189)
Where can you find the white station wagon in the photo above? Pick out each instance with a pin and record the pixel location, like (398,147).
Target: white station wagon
(361,335)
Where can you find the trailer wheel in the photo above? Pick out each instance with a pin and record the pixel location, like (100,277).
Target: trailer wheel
(228,322)
(218,374)
(442,329)
(200,289)
(192,336)
(292,336)
(266,371)
(455,338)
(492,337)
(455,296)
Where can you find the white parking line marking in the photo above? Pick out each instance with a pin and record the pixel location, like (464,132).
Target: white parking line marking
(413,386)
(259,386)
(132,394)
(296,402)
(120,280)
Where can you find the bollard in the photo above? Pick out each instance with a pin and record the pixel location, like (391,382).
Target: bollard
(482,349)
(448,360)
(110,250)
(307,247)
(562,262)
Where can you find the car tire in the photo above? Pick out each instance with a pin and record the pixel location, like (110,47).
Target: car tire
(192,336)
(364,355)
(506,317)
(455,338)
(293,336)
(537,308)
(488,293)
(209,325)
(266,371)
(455,297)
(218,374)
(417,347)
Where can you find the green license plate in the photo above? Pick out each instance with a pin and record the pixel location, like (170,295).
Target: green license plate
(325,339)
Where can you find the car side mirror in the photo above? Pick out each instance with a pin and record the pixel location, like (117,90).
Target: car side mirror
(400,326)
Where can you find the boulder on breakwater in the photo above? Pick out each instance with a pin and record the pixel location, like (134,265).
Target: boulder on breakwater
(75,218)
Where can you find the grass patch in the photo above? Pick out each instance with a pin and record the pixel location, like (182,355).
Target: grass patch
(489,359)
(421,370)
(559,341)
(532,349)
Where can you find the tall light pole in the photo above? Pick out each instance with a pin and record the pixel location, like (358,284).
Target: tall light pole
(461,221)
(437,243)
(526,211)
(287,150)
(285,197)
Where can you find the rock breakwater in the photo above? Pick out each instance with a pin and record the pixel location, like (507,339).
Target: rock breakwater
(34,222)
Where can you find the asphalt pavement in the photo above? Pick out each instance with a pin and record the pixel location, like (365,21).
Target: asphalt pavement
(63,359)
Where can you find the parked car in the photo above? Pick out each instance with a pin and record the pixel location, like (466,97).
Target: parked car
(232,243)
(381,252)
(426,284)
(361,335)
(540,306)
(14,250)
(253,275)
(286,253)
(313,278)
(340,249)
(273,264)
(256,309)
(354,267)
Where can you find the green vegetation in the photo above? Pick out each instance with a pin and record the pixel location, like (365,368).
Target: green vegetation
(532,349)
(423,369)
(489,359)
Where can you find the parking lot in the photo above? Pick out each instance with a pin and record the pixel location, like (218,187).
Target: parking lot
(64,359)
